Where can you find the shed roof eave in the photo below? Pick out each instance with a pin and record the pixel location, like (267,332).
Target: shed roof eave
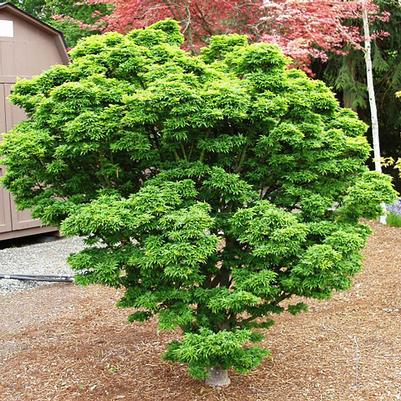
(21,13)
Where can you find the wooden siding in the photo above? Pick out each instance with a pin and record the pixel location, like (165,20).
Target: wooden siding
(33,49)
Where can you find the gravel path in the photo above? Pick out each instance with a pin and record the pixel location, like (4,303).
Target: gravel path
(47,258)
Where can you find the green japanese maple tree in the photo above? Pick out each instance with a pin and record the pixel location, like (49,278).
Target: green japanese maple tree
(210,187)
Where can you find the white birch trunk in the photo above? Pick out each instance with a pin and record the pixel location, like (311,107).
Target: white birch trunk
(371,93)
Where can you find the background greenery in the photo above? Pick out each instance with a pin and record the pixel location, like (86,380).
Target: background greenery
(347,76)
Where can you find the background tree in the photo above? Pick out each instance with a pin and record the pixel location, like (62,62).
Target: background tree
(75,19)
(308,30)
(347,74)
(311,30)
(305,30)
(371,92)
(210,187)
(199,19)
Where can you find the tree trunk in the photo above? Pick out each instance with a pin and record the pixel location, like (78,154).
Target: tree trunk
(372,96)
(218,377)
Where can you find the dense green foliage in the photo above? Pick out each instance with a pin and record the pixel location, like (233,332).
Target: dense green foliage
(211,188)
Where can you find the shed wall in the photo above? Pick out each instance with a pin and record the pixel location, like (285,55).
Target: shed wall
(32,50)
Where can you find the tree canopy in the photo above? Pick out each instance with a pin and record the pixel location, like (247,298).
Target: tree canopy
(322,37)
(210,187)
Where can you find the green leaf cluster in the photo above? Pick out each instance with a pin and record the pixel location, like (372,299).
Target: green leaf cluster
(211,188)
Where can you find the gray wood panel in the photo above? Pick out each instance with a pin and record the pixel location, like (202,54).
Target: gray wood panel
(30,51)
(3,127)
(5,207)
(14,114)
(21,219)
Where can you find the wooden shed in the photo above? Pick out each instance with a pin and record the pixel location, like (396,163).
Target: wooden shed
(27,48)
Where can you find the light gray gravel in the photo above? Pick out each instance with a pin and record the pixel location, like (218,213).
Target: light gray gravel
(47,258)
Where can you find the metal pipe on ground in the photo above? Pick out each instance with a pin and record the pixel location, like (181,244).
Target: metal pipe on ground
(26,277)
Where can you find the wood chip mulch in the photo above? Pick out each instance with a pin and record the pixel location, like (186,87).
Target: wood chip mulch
(65,343)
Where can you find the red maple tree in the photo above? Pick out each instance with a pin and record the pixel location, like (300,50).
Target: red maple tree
(309,29)
(305,29)
(199,18)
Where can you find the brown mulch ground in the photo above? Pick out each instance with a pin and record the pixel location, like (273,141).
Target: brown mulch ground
(64,343)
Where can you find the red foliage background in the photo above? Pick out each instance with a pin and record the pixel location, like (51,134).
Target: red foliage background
(305,29)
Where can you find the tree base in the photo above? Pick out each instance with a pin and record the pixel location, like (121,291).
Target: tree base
(218,378)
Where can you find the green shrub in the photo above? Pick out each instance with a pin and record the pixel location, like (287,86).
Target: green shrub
(210,187)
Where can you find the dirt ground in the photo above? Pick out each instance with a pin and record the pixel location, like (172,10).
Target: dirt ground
(64,343)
